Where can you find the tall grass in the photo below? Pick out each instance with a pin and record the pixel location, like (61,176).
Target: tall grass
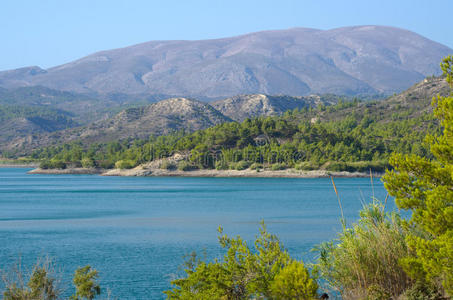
(363,262)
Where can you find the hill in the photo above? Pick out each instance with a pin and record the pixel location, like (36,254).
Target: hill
(298,61)
(160,118)
(346,136)
(241,107)
(163,117)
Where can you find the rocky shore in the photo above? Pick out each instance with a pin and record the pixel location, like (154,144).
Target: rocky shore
(143,171)
(67,171)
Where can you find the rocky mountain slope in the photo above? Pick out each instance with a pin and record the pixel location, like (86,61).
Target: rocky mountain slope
(412,102)
(298,61)
(21,135)
(160,118)
(241,107)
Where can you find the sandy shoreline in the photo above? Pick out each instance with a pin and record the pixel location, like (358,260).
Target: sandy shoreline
(140,171)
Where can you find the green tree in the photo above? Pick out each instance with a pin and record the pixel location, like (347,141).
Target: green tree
(244,274)
(294,282)
(425,186)
(41,285)
(85,283)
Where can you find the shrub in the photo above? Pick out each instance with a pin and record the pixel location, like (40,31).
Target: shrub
(125,164)
(167,165)
(42,283)
(245,274)
(294,282)
(278,167)
(256,166)
(52,164)
(85,282)
(365,166)
(364,260)
(338,166)
(45,164)
(221,165)
(106,164)
(185,166)
(306,166)
(242,165)
(88,163)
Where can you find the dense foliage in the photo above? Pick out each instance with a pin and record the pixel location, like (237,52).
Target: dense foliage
(265,272)
(299,139)
(425,186)
(363,262)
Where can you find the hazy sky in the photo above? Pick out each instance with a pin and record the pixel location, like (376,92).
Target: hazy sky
(51,32)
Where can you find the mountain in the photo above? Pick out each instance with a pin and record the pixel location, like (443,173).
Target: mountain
(410,104)
(160,118)
(241,107)
(21,134)
(348,136)
(298,61)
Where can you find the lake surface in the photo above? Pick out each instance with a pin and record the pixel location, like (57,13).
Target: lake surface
(135,230)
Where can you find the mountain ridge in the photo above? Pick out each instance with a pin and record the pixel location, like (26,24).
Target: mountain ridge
(160,118)
(299,61)
(176,114)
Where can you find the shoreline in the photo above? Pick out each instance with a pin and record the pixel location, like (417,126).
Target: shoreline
(19,165)
(153,172)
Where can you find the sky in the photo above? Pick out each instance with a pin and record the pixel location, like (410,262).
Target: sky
(47,33)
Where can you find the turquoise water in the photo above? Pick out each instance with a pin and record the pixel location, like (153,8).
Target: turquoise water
(135,230)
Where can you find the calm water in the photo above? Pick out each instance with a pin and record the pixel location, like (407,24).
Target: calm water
(134,230)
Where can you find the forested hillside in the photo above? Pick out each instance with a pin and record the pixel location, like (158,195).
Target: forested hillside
(347,136)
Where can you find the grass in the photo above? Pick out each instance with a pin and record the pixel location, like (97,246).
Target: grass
(363,262)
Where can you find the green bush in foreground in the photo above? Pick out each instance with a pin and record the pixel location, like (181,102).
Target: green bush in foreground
(43,284)
(86,284)
(268,272)
(425,186)
(364,260)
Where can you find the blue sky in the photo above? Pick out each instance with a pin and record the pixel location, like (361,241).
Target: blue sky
(51,32)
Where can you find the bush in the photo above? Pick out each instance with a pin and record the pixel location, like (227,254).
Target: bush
(365,166)
(106,164)
(266,272)
(364,261)
(125,164)
(242,165)
(52,164)
(338,166)
(306,166)
(221,165)
(42,283)
(45,164)
(422,291)
(278,167)
(88,163)
(294,282)
(167,165)
(185,166)
(256,166)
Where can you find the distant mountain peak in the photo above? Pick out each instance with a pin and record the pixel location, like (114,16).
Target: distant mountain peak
(298,61)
